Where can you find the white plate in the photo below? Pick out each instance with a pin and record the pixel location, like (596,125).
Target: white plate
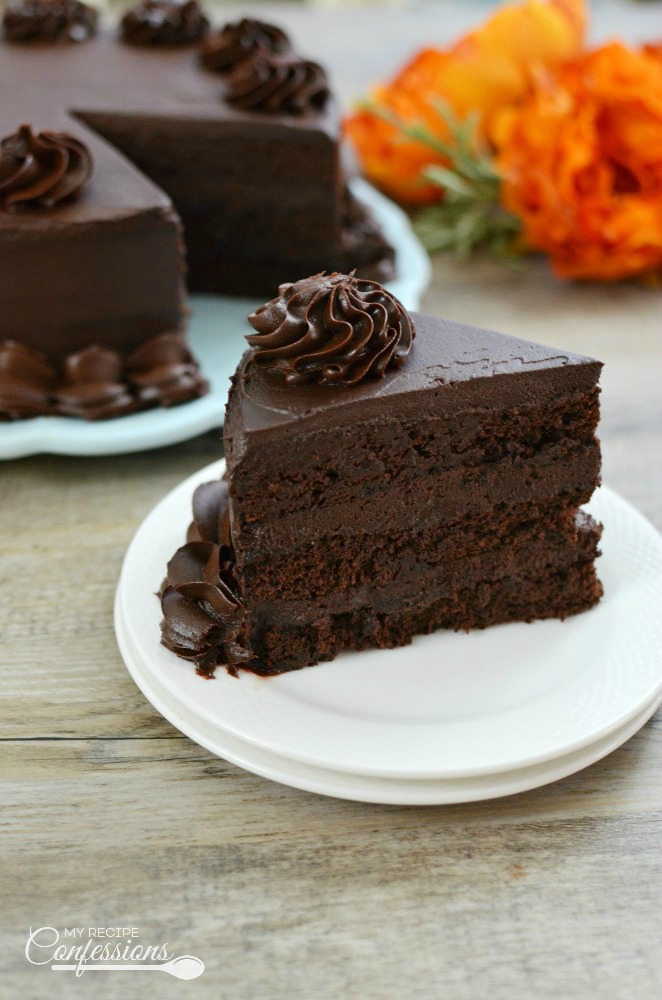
(450,705)
(361,788)
(216,334)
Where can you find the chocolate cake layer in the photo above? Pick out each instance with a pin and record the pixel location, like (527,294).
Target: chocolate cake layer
(523,598)
(436,499)
(536,558)
(379,559)
(398,451)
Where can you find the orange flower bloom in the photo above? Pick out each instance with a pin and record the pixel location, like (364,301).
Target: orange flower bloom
(582,165)
(484,71)
(653,49)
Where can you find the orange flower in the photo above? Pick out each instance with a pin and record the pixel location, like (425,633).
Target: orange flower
(653,49)
(484,71)
(582,165)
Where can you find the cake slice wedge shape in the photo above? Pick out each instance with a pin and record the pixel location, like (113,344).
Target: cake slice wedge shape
(361,511)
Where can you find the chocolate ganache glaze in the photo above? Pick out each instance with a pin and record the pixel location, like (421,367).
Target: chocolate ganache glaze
(42,170)
(49,21)
(222,51)
(164,23)
(284,85)
(203,618)
(332,329)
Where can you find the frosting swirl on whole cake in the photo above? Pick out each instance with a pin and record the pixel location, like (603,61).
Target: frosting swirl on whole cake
(26,381)
(222,51)
(163,372)
(203,618)
(93,386)
(278,85)
(49,21)
(43,169)
(332,329)
(98,383)
(164,22)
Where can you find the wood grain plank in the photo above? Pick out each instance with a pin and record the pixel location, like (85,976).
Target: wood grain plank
(285,894)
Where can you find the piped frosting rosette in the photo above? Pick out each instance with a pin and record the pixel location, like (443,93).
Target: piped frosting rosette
(333,329)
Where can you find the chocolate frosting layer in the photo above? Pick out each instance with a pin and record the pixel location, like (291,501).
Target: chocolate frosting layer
(332,329)
(98,383)
(43,169)
(203,617)
(222,51)
(164,22)
(49,21)
(26,381)
(284,85)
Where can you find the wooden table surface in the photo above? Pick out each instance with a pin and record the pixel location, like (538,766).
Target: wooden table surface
(112,818)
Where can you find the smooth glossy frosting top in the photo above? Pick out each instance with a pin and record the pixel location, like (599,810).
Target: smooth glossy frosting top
(464,365)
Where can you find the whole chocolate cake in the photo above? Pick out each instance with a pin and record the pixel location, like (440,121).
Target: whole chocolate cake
(387,475)
(131,155)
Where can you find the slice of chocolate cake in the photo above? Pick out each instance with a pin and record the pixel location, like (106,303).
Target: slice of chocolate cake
(387,475)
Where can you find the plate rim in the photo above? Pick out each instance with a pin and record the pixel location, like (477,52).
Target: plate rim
(381,790)
(214,470)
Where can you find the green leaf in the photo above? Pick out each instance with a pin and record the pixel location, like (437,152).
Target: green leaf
(470,217)
(447,179)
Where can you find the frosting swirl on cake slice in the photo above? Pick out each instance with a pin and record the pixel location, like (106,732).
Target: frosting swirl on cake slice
(332,329)
(203,617)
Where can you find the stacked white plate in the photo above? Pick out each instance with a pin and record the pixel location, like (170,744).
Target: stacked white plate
(453,717)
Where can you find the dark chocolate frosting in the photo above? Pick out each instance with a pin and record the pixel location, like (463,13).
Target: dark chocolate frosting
(93,386)
(211,520)
(163,371)
(223,50)
(203,618)
(284,85)
(97,383)
(49,21)
(164,23)
(26,381)
(42,170)
(333,329)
